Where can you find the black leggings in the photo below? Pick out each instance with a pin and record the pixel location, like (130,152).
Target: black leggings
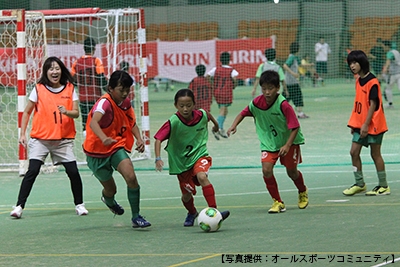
(33,171)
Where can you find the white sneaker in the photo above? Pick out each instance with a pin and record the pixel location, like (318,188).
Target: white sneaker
(16,212)
(216,135)
(81,210)
(222,133)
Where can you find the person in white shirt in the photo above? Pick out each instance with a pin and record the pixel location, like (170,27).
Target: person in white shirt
(322,50)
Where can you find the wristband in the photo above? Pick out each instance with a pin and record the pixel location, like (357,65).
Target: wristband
(158,158)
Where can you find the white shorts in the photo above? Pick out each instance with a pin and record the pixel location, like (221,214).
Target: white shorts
(60,150)
(391,79)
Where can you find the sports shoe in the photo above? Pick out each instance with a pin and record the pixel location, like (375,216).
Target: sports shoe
(16,212)
(216,135)
(379,191)
(303,200)
(117,209)
(81,210)
(277,207)
(189,221)
(222,133)
(354,189)
(140,222)
(303,116)
(225,214)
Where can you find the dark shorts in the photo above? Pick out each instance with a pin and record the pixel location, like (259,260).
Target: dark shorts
(321,67)
(369,139)
(295,95)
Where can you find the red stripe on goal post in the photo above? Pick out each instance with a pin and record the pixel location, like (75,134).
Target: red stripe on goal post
(21,83)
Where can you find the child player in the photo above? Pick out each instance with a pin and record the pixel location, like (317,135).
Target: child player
(110,133)
(188,156)
(368,124)
(224,83)
(202,89)
(280,137)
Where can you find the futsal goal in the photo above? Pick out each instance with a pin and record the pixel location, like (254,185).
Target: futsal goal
(27,38)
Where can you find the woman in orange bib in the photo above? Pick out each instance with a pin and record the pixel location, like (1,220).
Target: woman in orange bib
(56,105)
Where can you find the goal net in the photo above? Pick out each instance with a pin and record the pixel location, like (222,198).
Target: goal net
(120,40)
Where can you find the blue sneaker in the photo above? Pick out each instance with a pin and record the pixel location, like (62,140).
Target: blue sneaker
(225,214)
(140,222)
(117,209)
(189,221)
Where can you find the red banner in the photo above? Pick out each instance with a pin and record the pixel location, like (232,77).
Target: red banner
(172,60)
(246,54)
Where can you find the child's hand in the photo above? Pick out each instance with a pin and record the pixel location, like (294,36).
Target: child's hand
(139,146)
(215,129)
(62,110)
(159,165)
(231,130)
(284,150)
(108,141)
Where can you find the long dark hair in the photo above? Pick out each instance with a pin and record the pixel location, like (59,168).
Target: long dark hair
(65,74)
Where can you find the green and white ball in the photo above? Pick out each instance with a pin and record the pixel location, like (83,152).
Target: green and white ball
(210,219)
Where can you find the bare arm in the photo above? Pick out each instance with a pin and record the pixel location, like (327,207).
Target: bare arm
(235,123)
(94,125)
(364,127)
(138,137)
(235,82)
(386,67)
(214,121)
(157,150)
(285,149)
(286,67)
(256,81)
(73,113)
(24,122)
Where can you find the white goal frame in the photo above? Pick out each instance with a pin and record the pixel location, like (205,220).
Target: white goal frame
(121,36)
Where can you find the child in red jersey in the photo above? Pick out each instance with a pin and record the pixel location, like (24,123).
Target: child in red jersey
(224,83)
(110,133)
(202,89)
(188,158)
(368,125)
(88,72)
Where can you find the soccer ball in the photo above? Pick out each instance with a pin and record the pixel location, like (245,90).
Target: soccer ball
(210,219)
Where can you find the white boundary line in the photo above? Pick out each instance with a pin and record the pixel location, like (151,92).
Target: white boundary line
(386,263)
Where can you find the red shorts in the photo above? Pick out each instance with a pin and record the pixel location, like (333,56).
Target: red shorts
(188,180)
(290,160)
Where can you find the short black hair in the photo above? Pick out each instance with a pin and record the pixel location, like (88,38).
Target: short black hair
(225,57)
(361,58)
(89,45)
(200,70)
(120,77)
(270,77)
(270,54)
(182,93)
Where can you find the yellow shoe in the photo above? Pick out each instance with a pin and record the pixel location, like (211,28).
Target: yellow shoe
(379,191)
(354,189)
(277,207)
(303,200)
